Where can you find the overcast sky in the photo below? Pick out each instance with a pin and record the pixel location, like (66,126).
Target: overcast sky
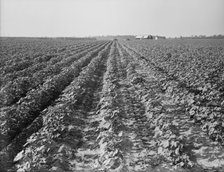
(111,17)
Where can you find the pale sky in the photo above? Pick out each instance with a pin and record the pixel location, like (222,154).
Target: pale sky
(111,17)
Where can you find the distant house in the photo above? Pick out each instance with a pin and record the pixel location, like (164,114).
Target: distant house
(138,37)
(144,37)
(147,37)
(159,37)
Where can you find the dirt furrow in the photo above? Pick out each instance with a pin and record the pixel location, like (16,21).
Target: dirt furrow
(138,157)
(118,126)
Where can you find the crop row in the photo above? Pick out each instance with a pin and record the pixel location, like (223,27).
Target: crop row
(10,72)
(117,123)
(61,134)
(12,51)
(205,107)
(192,65)
(127,109)
(158,119)
(110,116)
(19,116)
(23,52)
(168,109)
(18,88)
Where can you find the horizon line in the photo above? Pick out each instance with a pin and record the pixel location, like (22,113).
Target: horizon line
(25,36)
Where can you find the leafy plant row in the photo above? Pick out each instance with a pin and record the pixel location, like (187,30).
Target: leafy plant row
(56,143)
(13,51)
(19,116)
(18,88)
(205,106)
(114,145)
(13,73)
(169,144)
(101,151)
(33,58)
(54,58)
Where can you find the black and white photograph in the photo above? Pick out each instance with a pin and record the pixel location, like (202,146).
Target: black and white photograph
(111,85)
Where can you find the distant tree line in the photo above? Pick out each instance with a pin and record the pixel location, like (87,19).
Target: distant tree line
(205,37)
(76,38)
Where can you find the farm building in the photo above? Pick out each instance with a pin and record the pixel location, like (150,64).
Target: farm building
(147,37)
(159,37)
(144,37)
(138,37)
